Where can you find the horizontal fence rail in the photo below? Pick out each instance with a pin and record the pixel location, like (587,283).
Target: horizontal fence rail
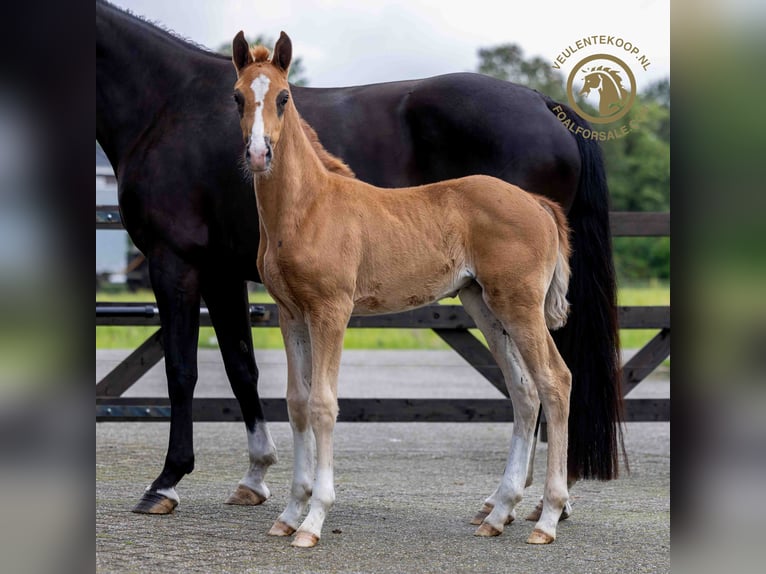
(450,322)
(356,410)
(429,317)
(623,223)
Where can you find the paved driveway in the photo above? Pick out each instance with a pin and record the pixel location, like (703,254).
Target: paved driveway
(405,491)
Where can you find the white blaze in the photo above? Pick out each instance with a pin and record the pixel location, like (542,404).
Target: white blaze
(260,86)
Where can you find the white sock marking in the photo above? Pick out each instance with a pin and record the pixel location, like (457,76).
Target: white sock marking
(167,492)
(263,454)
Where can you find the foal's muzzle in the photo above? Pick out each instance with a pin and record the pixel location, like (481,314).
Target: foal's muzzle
(258,157)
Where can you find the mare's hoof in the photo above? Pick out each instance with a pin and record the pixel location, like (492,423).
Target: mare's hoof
(305,539)
(155,503)
(487,529)
(534,516)
(245,496)
(540,537)
(281,529)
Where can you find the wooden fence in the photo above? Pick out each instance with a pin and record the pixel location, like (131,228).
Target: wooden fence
(450,322)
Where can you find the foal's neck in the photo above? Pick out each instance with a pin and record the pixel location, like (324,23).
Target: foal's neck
(296,178)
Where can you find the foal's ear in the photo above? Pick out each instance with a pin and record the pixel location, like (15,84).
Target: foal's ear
(240,52)
(283,52)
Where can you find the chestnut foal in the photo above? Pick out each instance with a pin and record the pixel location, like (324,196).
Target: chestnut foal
(332,246)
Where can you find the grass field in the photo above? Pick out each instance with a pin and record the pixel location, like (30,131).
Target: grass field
(108,337)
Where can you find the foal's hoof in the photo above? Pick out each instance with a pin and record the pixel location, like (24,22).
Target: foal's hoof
(540,537)
(305,539)
(245,496)
(281,529)
(482,514)
(487,530)
(155,503)
(534,516)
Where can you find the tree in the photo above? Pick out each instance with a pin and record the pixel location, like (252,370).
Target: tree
(507,62)
(639,164)
(297,75)
(638,170)
(659,92)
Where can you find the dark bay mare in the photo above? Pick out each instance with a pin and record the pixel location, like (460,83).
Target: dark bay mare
(167,121)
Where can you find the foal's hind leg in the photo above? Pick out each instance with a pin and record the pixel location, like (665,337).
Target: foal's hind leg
(520,310)
(226,299)
(537,511)
(554,382)
(499,507)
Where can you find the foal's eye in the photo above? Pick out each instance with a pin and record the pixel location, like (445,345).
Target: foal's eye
(282,98)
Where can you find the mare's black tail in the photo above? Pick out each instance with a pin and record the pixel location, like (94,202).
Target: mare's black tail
(589,343)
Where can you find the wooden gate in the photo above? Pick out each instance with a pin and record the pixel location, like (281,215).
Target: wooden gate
(450,322)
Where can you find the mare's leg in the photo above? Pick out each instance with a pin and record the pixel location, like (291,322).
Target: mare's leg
(176,285)
(226,299)
(326,329)
(298,348)
(498,509)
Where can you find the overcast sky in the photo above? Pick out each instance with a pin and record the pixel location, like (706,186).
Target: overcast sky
(352,42)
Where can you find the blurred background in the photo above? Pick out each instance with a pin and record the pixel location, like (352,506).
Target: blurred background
(719,422)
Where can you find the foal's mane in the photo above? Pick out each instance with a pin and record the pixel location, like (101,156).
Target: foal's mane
(332,163)
(260,54)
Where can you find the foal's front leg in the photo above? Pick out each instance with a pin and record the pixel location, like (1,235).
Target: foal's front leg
(326,331)
(298,348)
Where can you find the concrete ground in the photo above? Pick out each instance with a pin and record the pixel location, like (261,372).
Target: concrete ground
(405,491)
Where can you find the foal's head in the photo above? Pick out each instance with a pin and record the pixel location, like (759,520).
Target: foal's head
(262,94)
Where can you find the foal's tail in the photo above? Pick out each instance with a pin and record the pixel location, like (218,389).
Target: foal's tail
(556,304)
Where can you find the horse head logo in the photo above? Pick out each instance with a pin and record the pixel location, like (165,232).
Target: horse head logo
(608,83)
(611,79)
